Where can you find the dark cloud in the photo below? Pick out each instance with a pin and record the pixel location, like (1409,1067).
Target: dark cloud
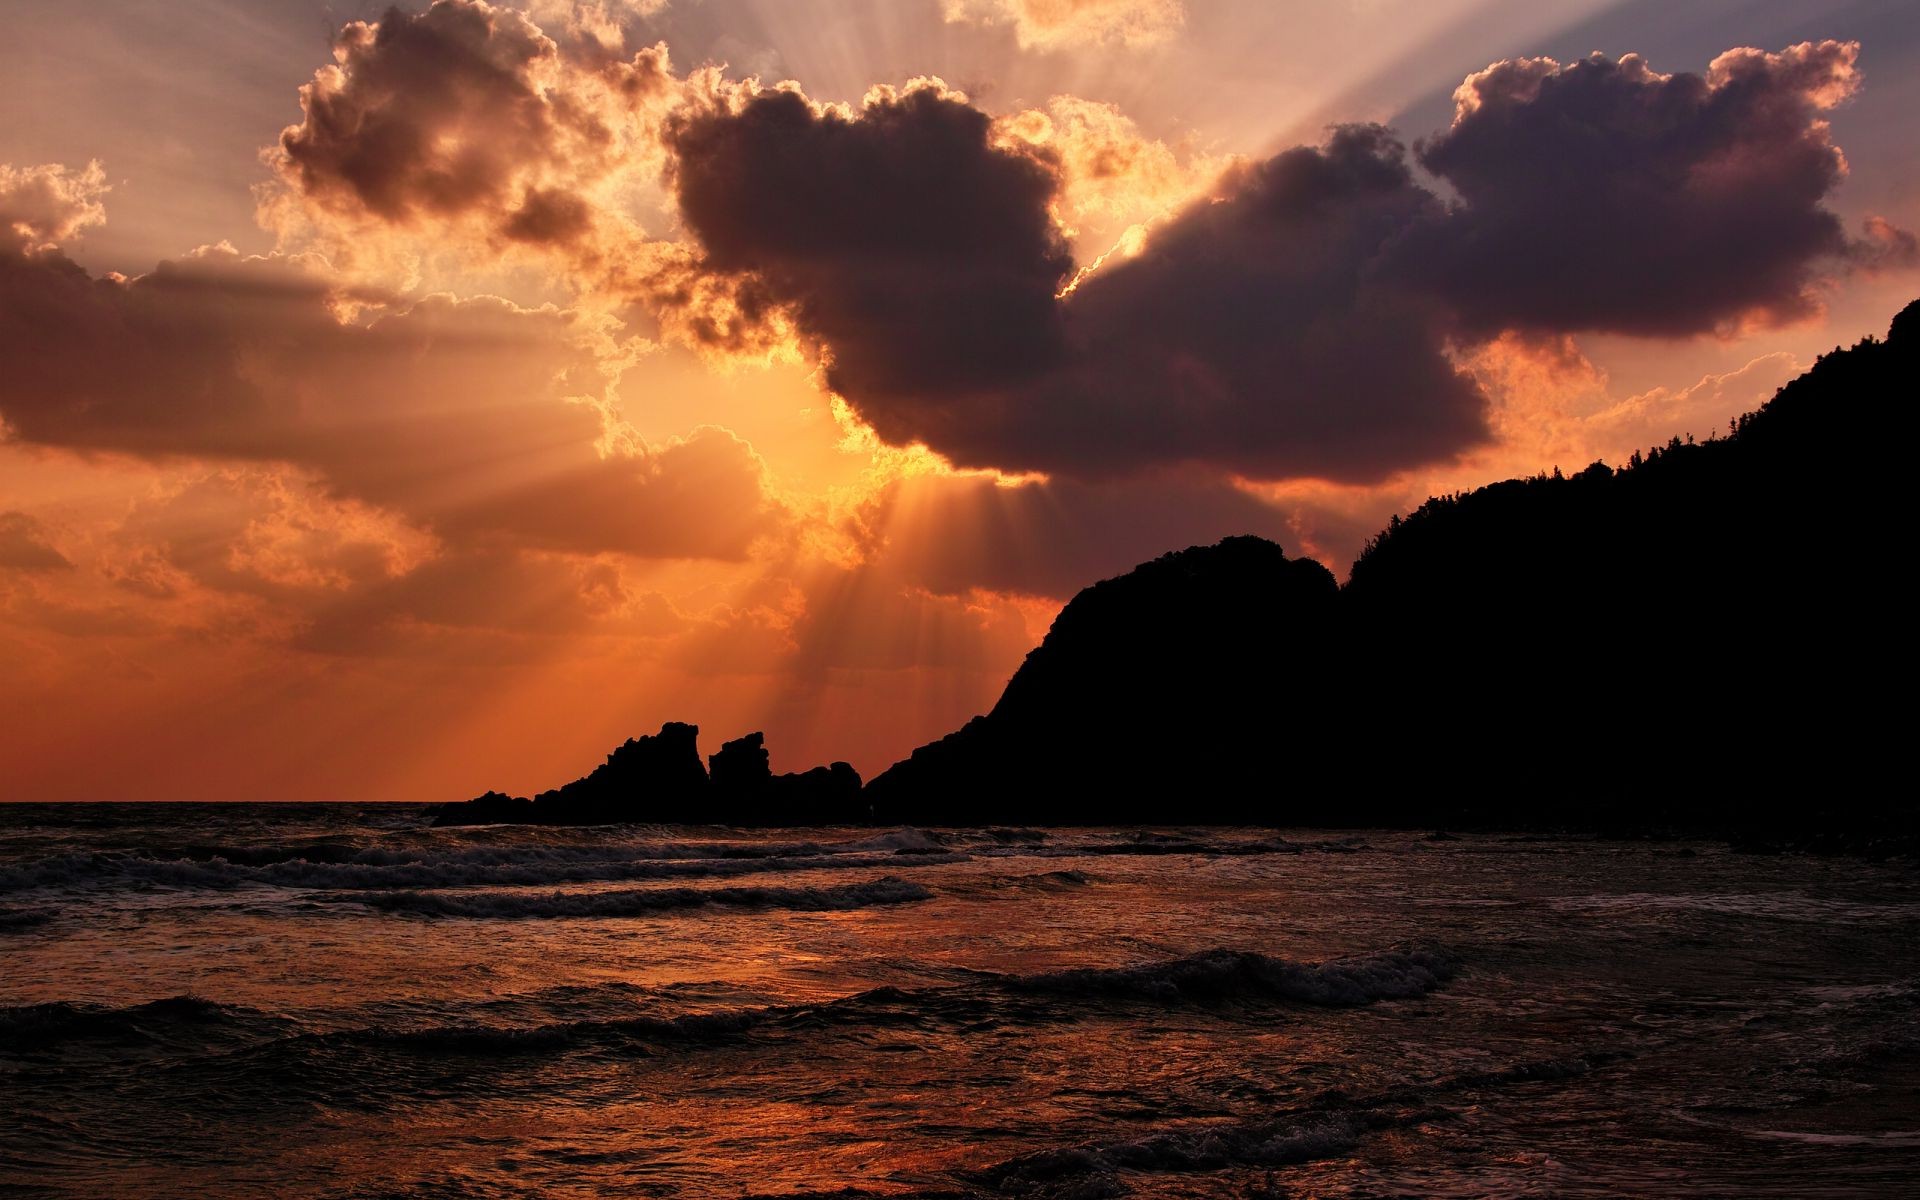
(1302,320)
(1253,334)
(1601,195)
(24,545)
(477,419)
(432,113)
(921,255)
(918,252)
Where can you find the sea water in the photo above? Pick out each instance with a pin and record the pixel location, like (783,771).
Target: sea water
(303,1001)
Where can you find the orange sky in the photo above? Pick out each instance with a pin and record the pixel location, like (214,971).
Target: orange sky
(394,406)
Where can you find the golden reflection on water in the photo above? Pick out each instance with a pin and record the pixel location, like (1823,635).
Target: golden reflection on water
(1498,1017)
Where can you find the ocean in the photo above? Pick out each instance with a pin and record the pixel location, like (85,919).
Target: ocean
(217,1001)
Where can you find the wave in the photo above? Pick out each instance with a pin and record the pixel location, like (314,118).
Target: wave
(1196,980)
(1226,974)
(324,866)
(253,1042)
(1777,906)
(644,902)
(16,919)
(1166,844)
(1331,1124)
(33,1028)
(523,867)
(1090,1170)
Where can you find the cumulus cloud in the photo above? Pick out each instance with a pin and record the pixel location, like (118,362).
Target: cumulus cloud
(1252,333)
(468,117)
(1049,24)
(1111,173)
(49,205)
(24,545)
(1248,332)
(1603,195)
(919,252)
(1307,317)
(591,28)
(477,419)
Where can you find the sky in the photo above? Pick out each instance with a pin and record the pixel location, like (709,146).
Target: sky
(397,403)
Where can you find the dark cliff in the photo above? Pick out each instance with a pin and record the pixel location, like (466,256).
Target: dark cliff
(1152,691)
(1711,637)
(1705,637)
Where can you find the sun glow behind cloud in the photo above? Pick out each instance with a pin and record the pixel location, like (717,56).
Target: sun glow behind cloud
(529,431)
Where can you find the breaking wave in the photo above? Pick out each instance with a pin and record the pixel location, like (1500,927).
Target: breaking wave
(1330,1124)
(990,998)
(500,867)
(31,1029)
(323,866)
(1212,979)
(643,902)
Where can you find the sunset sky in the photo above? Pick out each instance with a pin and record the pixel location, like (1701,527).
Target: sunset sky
(396,404)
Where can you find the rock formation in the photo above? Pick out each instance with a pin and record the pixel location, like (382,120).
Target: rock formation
(1702,639)
(659,779)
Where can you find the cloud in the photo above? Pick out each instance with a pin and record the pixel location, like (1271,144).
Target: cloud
(1702,408)
(263,532)
(1251,333)
(1051,24)
(591,28)
(1111,173)
(900,236)
(479,597)
(49,205)
(477,419)
(1884,246)
(1601,195)
(1308,317)
(468,118)
(24,545)
(1247,334)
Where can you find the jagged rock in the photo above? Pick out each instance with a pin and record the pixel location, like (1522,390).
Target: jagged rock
(659,779)
(491,808)
(832,794)
(741,767)
(652,778)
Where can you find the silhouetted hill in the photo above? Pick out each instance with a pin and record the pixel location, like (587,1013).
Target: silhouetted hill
(1149,700)
(1709,636)
(659,779)
(1713,637)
